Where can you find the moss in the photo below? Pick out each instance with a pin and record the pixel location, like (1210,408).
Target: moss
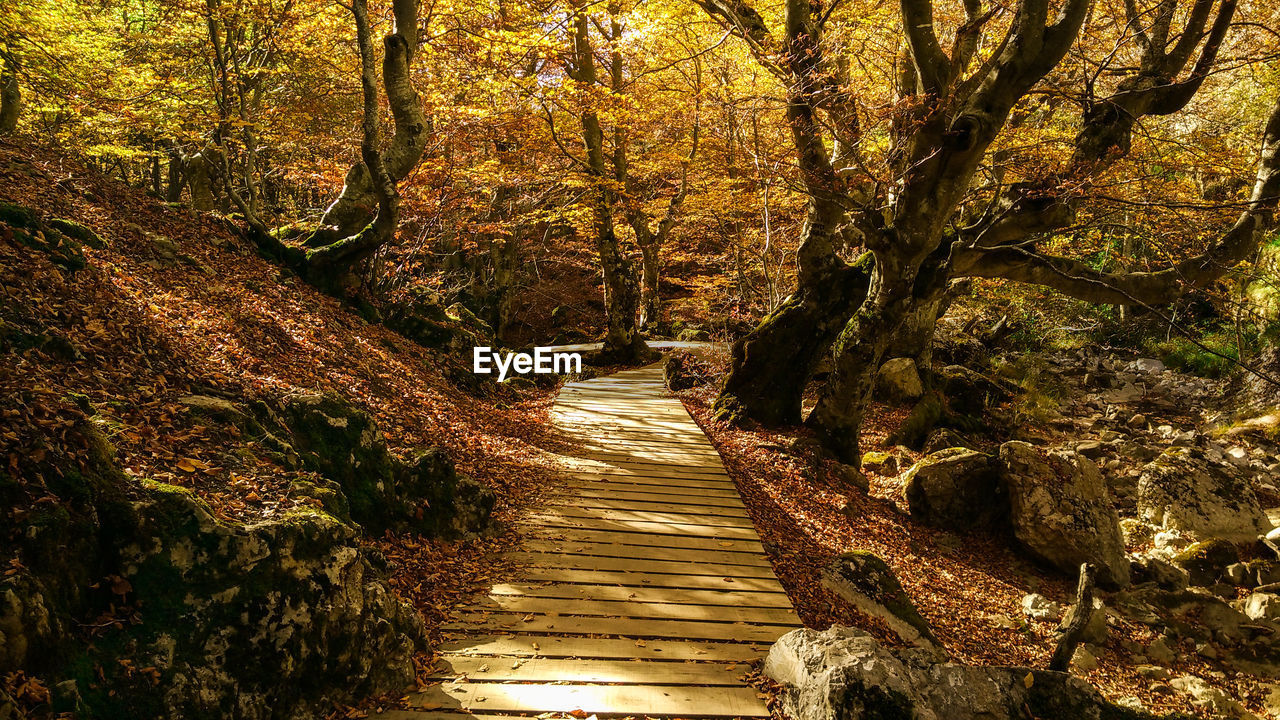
(77,231)
(18,216)
(1205,561)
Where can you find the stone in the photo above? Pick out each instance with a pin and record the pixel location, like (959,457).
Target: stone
(1206,697)
(1154,570)
(1180,490)
(1137,422)
(1040,607)
(1083,660)
(844,674)
(343,443)
(1091,449)
(944,438)
(881,462)
(969,392)
(898,381)
(851,478)
(1153,672)
(957,489)
(868,584)
(1159,652)
(1096,631)
(1060,512)
(1205,562)
(1148,366)
(1262,606)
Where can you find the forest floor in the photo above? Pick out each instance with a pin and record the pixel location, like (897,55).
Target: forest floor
(969,587)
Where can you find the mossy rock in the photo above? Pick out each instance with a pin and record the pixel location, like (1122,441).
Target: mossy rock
(78,232)
(19,216)
(1206,561)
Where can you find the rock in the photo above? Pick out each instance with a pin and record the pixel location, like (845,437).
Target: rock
(844,674)
(283,618)
(1206,562)
(898,381)
(216,408)
(853,479)
(342,442)
(1096,630)
(1148,366)
(1091,449)
(944,438)
(1137,422)
(1153,672)
(1262,606)
(1040,607)
(1182,491)
(956,489)
(263,612)
(1060,512)
(78,232)
(969,392)
(1160,652)
(1155,570)
(1083,660)
(868,584)
(1206,697)
(881,462)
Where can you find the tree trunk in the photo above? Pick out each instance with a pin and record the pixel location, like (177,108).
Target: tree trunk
(358,202)
(10,95)
(859,350)
(650,304)
(622,341)
(200,182)
(771,365)
(173,191)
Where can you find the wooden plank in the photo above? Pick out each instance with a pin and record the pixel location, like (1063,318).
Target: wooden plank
(521,646)
(648,470)
(728,596)
(713,467)
(641,515)
(572,535)
(694,486)
(608,577)
(489,623)
(629,672)
(610,484)
(608,492)
(624,505)
(640,552)
(633,609)
(641,700)
(558,520)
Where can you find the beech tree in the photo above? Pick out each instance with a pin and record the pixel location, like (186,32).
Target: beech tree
(919,215)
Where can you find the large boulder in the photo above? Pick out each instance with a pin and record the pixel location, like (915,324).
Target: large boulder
(1181,490)
(898,380)
(244,620)
(844,674)
(191,615)
(1060,511)
(956,488)
(342,443)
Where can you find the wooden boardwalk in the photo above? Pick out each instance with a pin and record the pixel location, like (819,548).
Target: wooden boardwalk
(644,590)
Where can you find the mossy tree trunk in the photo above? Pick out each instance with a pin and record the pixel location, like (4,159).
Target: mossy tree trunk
(771,366)
(10,93)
